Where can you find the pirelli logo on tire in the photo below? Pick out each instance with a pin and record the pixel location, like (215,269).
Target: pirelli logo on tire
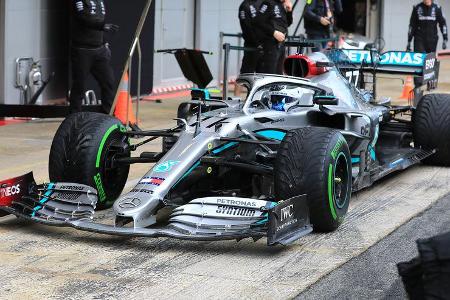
(100,189)
(336,148)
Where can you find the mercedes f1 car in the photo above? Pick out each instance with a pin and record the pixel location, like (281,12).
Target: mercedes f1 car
(279,163)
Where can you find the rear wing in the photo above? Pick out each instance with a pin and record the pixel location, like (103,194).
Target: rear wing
(421,65)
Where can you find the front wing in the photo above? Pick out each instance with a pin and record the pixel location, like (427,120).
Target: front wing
(204,219)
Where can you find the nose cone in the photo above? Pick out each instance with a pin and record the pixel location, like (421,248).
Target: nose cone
(140,209)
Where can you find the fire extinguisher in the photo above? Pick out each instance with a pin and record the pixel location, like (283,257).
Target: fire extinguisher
(35,83)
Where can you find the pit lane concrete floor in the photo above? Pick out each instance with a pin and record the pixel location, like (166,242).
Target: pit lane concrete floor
(38,262)
(374,275)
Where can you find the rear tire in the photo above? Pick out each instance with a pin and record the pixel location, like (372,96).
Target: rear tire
(317,162)
(81,153)
(432,127)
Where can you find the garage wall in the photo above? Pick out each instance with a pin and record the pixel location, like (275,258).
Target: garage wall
(217,16)
(174,28)
(2,54)
(396,15)
(33,29)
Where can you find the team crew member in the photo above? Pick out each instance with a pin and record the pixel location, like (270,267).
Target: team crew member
(248,11)
(287,22)
(89,54)
(319,19)
(425,18)
(273,22)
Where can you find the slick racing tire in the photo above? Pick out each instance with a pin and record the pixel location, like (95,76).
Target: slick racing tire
(432,128)
(82,151)
(316,161)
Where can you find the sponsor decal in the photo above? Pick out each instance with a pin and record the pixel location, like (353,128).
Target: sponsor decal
(71,187)
(287,212)
(165,166)
(336,148)
(129,203)
(144,191)
(100,189)
(287,224)
(8,191)
(389,58)
(277,121)
(236,202)
(14,189)
(235,211)
(152,180)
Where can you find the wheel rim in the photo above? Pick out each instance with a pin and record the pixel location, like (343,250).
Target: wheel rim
(341,180)
(110,175)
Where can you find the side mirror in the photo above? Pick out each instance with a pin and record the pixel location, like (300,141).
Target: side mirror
(200,94)
(325,100)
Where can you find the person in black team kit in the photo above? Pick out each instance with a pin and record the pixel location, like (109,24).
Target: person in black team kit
(273,21)
(425,18)
(248,11)
(320,19)
(89,54)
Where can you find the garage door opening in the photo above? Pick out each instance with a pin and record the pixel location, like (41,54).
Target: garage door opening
(353,18)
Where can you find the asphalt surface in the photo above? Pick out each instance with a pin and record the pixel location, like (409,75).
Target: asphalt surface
(373,275)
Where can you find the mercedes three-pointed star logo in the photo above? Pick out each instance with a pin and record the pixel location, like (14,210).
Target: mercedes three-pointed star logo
(129,203)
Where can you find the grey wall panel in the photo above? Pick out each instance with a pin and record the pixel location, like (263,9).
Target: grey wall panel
(217,16)
(174,28)
(2,53)
(22,25)
(36,28)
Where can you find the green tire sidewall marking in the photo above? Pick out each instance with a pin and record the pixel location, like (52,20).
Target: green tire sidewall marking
(331,196)
(335,165)
(330,191)
(97,178)
(102,143)
(337,147)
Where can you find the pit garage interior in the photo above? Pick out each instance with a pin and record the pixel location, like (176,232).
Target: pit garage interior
(381,228)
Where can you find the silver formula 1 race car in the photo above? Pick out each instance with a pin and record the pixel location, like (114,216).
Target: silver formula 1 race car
(278,163)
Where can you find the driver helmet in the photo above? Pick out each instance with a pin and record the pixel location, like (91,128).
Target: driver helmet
(282,98)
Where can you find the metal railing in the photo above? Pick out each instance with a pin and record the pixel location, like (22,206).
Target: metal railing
(128,65)
(222,37)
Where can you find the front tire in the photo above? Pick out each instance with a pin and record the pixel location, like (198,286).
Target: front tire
(316,162)
(82,151)
(432,127)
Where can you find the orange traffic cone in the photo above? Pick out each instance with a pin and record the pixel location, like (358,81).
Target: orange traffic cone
(408,88)
(124,104)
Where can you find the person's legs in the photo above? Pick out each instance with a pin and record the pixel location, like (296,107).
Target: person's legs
(281,58)
(270,58)
(104,74)
(81,60)
(431,45)
(250,59)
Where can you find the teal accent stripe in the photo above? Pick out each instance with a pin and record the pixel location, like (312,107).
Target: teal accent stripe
(272,134)
(224,147)
(372,153)
(44,199)
(355,160)
(266,215)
